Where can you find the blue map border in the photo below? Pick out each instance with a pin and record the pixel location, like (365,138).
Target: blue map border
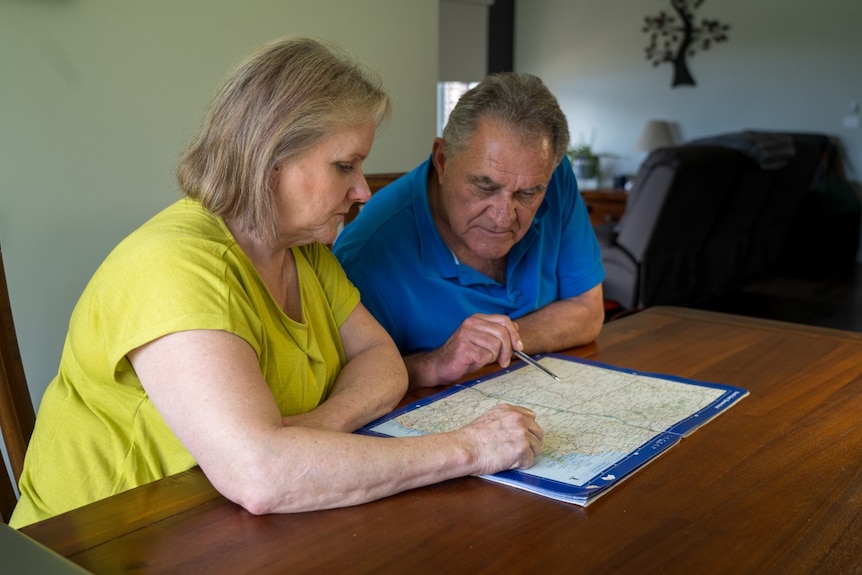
(622,468)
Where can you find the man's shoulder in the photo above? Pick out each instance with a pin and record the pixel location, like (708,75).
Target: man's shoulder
(563,182)
(561,196)
(387,217)
(379,220)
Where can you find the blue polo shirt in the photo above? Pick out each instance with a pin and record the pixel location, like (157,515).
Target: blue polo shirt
(415,287)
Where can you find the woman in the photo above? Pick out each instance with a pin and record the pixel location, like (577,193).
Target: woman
(223,333)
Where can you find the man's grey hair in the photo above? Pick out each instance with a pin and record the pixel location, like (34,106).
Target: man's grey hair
(520,101)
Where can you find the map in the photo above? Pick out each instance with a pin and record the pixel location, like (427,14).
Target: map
(601,423)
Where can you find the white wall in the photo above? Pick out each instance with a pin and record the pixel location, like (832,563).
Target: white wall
(99,97)
(788,65)
(463,40)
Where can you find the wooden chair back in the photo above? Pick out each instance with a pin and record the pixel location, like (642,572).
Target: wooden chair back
(17,416)
(375,182)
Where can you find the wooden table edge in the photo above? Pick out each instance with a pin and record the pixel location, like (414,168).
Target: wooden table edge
(95,524)
(751,322)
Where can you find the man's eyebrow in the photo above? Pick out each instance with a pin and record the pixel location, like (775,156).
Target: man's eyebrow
(486,182)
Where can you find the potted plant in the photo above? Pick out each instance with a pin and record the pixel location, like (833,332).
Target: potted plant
(585,162)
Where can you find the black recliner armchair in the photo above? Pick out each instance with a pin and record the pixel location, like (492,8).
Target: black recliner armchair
(709,216)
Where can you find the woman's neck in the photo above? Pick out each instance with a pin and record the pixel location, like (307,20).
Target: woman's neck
(276,266)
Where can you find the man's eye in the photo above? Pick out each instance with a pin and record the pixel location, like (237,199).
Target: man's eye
(345,168)
(487,190)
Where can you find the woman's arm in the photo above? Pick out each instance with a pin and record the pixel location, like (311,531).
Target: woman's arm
(370,385)
(209,388)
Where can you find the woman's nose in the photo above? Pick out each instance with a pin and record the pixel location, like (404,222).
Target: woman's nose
(359,191)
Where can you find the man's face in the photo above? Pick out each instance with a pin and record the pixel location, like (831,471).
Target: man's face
(490,192)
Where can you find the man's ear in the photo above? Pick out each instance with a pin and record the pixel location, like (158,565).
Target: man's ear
(438,156)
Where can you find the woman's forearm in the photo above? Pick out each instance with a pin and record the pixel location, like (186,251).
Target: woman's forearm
(369,386)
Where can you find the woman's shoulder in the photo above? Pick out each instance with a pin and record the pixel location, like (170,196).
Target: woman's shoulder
(186,218)
(318,256)
(183,225)
(182,238)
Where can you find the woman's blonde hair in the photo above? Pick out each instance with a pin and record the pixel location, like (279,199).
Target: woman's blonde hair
(283,100)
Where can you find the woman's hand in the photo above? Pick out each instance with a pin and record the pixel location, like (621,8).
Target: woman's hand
(506,437)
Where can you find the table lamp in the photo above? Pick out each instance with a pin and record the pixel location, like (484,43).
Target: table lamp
(656,134)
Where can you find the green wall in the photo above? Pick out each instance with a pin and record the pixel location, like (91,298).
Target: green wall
(98,98)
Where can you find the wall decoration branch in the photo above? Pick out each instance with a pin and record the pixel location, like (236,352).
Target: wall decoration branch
(676,37)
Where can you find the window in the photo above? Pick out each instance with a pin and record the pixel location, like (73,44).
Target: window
(447,96)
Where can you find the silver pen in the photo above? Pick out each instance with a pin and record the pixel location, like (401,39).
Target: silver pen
(535,363)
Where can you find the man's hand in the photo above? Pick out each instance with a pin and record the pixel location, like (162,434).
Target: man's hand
(481,339)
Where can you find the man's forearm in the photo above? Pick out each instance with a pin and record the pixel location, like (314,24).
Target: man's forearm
(422,371)
(563,324)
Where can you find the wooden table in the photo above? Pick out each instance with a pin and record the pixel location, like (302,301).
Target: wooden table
(774,485)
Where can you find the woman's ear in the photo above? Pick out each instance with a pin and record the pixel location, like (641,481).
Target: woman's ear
(273,178)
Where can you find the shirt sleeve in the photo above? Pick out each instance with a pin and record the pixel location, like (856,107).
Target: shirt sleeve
(580,266)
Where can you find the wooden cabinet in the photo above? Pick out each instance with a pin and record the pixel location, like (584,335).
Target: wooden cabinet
(375,182)
(605,206)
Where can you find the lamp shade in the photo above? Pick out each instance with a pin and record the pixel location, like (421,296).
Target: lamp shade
(656,134)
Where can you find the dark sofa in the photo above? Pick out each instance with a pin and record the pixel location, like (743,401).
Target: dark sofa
(718,213)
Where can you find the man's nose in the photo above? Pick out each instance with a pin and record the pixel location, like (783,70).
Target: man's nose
(503,211)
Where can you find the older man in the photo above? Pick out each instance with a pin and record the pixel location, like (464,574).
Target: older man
(485,247)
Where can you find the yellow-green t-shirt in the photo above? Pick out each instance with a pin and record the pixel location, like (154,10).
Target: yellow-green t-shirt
(97,432)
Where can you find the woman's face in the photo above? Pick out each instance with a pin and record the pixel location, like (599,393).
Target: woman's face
(314,191)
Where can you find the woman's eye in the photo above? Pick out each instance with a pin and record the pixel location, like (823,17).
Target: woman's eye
(346,168)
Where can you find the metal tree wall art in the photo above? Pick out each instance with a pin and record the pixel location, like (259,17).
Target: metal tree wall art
(674,39)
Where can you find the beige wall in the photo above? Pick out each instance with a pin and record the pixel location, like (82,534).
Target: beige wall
(98,97)
(463,40)
(788,65)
